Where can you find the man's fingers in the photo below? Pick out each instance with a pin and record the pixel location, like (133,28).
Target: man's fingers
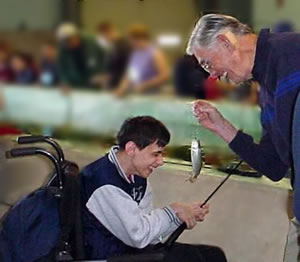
(205,110)
(200,104)
(202,116)
(205,113)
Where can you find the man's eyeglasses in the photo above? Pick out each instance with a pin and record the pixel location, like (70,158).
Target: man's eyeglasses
(205,65)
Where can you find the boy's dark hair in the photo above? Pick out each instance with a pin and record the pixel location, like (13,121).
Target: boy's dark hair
(143,131)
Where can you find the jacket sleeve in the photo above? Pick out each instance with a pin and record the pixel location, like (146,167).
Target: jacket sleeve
(134,225)
(262,157)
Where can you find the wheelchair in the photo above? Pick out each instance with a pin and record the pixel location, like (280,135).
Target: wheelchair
(64,188)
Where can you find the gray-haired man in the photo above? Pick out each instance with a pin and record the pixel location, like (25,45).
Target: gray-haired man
(225,46)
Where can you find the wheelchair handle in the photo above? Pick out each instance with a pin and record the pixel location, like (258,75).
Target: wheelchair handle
(30,139)
(19,152)
(44,139)
(31,151)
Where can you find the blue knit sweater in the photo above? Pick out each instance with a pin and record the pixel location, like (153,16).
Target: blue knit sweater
(277,70)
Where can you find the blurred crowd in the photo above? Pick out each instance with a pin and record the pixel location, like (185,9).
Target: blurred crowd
(75,59)
(108,60)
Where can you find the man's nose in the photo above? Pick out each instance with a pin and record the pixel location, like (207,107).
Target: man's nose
(213,73)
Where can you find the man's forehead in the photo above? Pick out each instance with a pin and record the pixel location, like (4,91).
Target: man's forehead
(201,52)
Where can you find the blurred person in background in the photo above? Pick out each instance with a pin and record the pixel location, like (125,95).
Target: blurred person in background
(189,77)
(6,73)
(48,73)
(24,69)
(147,67)
(118,51)
(213,89)
(283,26)
(6,76)
(246,92)
(48,65)
(225,46)
(80,58)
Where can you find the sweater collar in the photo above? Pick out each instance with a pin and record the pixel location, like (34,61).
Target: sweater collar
(261,53)
(113,159)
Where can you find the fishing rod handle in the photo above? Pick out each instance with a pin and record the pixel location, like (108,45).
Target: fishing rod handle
(173,237)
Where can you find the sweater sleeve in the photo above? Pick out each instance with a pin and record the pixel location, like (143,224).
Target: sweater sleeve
(285,95)
(262,157)
(123,217)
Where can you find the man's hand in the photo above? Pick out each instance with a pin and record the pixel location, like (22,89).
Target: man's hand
(210,118)
(189,213)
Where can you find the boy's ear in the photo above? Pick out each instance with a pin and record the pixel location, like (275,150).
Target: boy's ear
(130,148)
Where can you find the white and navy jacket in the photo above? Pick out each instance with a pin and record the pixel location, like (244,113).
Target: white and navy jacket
(117,211)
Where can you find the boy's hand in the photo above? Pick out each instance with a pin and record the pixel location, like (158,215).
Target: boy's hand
(200,212)
(190,213)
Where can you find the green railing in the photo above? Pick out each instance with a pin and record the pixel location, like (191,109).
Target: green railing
(96,113)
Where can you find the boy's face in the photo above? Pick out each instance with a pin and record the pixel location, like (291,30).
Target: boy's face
(144,161)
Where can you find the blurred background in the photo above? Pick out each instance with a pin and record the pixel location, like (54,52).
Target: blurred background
(76,69)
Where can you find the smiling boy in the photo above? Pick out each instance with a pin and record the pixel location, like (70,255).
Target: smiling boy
(118,216)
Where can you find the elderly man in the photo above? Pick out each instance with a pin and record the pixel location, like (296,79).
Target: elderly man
(226,47)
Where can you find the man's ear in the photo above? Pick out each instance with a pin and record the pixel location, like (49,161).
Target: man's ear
(130,148)
(226,41)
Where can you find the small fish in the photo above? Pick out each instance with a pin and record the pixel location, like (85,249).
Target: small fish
(197,158)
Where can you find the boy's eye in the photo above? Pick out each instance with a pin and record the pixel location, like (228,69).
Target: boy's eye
(156,154)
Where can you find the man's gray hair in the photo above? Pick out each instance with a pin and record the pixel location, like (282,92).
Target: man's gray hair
(210,26)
